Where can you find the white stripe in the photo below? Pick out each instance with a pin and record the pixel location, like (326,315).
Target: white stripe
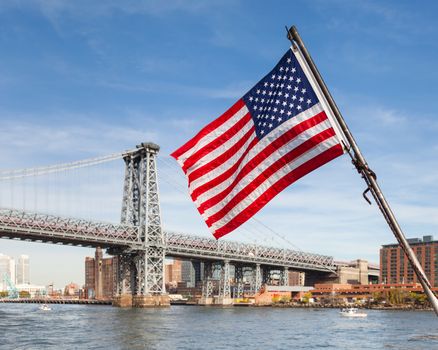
(212,135)
(257,192)
(218,171)
(223,147)
(266,163)
(274,134)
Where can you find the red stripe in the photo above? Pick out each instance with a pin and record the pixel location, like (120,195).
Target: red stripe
(224,157)
(267,151)
(209,128)
(279,186)
(217,142)
(279,163)
(225,175)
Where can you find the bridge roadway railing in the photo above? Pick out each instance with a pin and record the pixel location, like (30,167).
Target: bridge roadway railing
(183,245)
(49,228)
(24,225)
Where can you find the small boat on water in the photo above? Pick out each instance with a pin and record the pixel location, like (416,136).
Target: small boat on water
(45,307)
(352,312)
(177,299)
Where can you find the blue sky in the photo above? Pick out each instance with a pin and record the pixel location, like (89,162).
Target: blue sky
(80,79)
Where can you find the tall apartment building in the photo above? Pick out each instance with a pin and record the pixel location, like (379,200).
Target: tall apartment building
(23,270)
(7,267)
(172,272)
(296,278)
(192,272)
(395,267)
(99,276)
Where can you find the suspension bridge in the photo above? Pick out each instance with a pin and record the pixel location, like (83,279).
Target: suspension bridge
(139,241)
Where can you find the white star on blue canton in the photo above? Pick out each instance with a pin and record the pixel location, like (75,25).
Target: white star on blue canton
(285,83)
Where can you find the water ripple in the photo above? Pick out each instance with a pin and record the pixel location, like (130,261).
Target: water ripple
(189,328)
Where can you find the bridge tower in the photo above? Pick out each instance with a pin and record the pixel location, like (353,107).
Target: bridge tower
(140,273)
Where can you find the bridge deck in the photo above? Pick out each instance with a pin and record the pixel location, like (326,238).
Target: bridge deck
(48,228)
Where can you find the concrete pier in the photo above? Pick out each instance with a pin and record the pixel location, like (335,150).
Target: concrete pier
(205,301)
(223,301)
(141,301)
(124,300)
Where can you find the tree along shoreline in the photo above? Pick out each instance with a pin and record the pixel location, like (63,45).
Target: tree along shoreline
(406,307)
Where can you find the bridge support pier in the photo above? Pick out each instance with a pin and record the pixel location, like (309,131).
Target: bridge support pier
(284,276)
(144,301)
(207,285)
(123,300)
(224,297)
(257,279)
(239,281)
(123,281)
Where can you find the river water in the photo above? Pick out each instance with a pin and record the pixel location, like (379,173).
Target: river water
(23,326)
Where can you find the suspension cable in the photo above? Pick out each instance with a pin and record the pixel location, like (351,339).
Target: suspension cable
(172,167)
(20,173)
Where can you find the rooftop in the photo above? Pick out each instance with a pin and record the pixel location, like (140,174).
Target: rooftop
(413,241)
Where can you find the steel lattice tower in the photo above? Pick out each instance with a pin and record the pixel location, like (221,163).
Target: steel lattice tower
(141,272)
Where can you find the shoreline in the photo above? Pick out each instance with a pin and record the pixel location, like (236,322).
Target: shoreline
(291,306)
(56,301)
(364,307)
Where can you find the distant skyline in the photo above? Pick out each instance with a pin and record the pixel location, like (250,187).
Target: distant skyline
(16,268)
(82,79)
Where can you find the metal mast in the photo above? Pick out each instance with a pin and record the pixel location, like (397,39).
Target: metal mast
(367,174)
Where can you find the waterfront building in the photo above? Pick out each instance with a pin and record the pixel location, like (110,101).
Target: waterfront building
(395,267)
(31,291)
(7,268)
(23,270)
(358,271)
(99,276)
(71,290)
(192,272)
(271,294)
(337,292)
(296,278)
(172,272)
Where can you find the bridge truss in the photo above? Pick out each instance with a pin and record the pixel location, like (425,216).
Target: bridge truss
(27,226)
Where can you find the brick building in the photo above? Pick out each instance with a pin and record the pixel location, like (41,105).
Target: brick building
(395,267)
(99,276)
(71,290)
(296,278)
(172,273)
(339,291)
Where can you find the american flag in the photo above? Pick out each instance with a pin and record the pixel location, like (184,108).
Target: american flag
(278,132)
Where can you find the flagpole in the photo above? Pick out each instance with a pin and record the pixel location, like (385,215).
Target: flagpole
(367,174)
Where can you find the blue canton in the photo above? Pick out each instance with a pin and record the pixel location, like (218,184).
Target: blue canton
(279,96)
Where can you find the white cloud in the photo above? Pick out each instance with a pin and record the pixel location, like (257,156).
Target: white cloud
(66,136)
